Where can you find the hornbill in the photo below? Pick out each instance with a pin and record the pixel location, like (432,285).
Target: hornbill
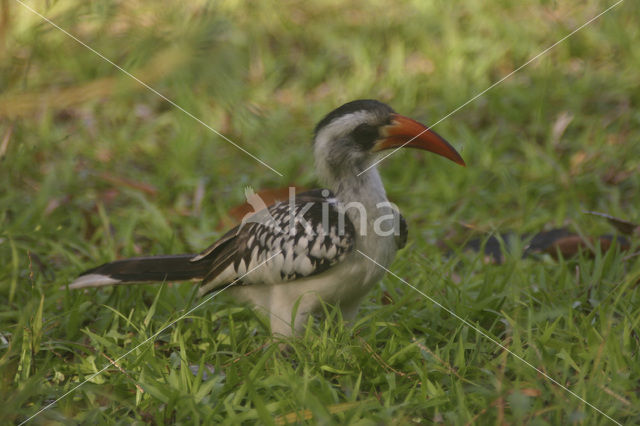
(291,257)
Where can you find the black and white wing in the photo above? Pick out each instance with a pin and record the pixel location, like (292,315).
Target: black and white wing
(284,242)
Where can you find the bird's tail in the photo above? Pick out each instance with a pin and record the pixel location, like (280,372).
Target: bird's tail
(143,269)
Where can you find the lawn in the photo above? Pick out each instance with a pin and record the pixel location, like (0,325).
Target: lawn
(96,167)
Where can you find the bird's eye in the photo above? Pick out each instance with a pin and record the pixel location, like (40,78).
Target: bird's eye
(365,135)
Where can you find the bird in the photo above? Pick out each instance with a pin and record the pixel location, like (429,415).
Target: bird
(325,246)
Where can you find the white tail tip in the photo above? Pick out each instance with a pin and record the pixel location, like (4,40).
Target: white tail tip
(92,280)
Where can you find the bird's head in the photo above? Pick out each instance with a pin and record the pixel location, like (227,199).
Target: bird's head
(350,138)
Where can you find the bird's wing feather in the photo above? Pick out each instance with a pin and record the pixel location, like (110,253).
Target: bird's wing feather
(217,245)
(317,237)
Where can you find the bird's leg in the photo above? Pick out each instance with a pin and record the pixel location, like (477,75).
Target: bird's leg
(288,313)
(280,325)
(350,309)
(290,310)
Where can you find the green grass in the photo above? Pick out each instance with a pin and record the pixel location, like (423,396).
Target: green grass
(263,73)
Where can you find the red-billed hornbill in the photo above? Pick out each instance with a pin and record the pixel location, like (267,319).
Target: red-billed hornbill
(289,265)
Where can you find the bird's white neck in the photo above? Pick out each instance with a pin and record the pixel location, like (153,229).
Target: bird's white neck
(361,196)
(365,202)
(366,189)
(366,205)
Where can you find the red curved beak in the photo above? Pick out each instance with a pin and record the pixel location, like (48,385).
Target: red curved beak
(408,133)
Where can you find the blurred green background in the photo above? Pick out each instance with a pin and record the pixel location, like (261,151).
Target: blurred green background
(94,167)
